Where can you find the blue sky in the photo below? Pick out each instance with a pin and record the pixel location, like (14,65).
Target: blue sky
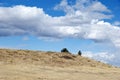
(91,26)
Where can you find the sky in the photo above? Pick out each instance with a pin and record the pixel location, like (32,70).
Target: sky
(92,26)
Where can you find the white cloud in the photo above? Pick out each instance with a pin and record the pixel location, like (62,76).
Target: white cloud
(84,19)
(101,56)
(106,57)
(87,9)
(20,20)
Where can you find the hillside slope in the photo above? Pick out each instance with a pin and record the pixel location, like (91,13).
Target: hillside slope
(38,65)
(46,58)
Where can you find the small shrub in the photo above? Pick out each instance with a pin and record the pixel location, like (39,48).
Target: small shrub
(79,53)
(65,50)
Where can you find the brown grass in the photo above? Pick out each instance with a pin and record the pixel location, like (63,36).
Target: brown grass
(46,58)
(39,65)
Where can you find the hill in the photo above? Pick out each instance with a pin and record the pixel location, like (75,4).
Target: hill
(46,58)
(40,65)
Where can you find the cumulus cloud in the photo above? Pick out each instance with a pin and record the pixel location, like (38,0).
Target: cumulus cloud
(21,20)
(84,19)
(101,56)
(85,8)
(106,57)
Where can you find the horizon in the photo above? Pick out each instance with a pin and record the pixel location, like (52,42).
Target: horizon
(92,26)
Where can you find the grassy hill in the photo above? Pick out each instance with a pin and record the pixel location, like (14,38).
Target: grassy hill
(46,58)
(40,65)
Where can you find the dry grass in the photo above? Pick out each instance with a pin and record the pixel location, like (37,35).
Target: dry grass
(46,58)
(38,65)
